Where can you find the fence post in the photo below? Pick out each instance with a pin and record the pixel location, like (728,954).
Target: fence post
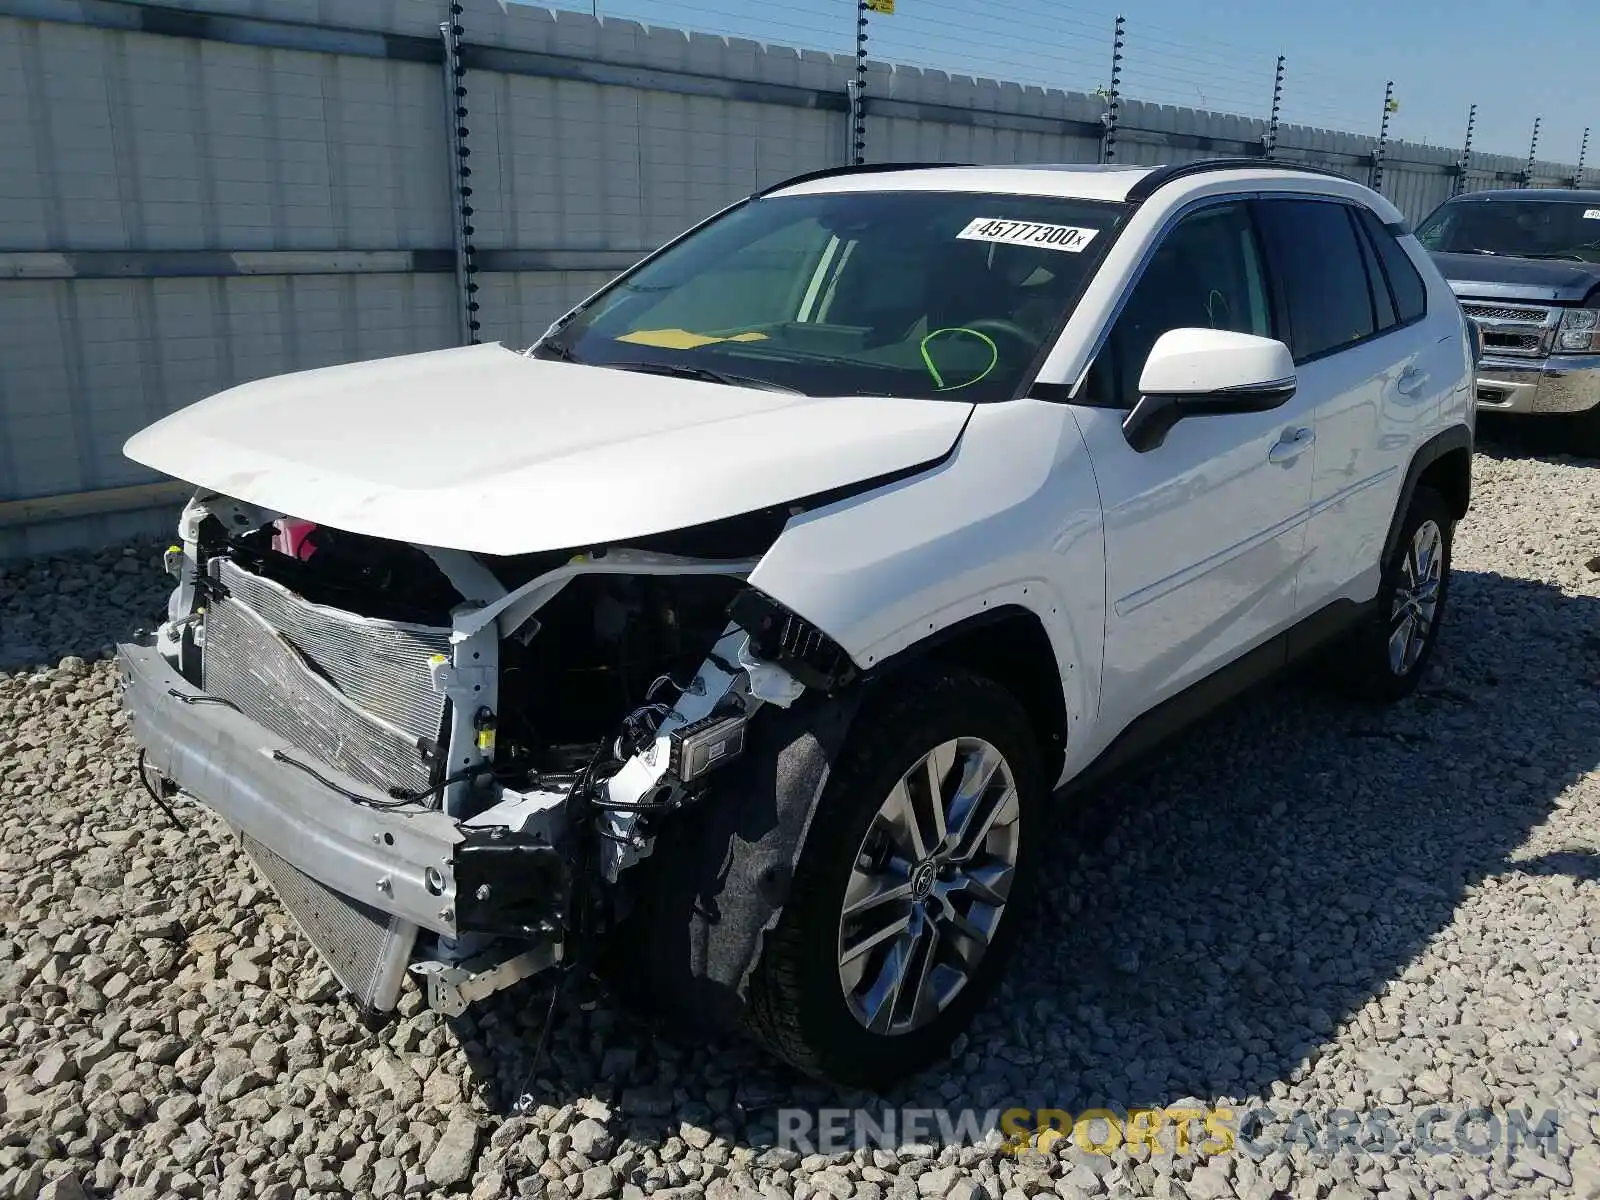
(1271,138)
(1460,184)
(455,115)
(1108,144)
(1583,151)
(858,92)
(1383,137)
(1533,151)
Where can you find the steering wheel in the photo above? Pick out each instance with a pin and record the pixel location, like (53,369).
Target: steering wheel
(1008,327)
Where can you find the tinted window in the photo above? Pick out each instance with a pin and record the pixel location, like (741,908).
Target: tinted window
(1382,301)
(1205,274)
(1410,293)
(1316,261)
(901,293)
(1535,227)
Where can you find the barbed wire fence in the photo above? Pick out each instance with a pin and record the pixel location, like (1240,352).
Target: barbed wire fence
(1074,49)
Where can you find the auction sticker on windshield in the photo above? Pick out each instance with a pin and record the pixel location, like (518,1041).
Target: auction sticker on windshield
(1070,238)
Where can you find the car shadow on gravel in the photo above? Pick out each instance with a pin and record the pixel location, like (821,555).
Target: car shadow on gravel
(1205,926)
(1547,438)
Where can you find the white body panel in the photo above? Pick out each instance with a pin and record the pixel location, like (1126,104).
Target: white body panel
(483,449)
(1147,571)
(1205,536)
(1013,518)
(1378,403)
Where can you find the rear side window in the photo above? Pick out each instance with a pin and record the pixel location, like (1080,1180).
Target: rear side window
(1382,301)
(1316,263)
(1405,284)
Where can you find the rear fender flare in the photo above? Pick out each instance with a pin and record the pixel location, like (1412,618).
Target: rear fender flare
(1455,438)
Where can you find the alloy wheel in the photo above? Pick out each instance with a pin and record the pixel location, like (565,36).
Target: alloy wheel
(929,886)
(1416,598)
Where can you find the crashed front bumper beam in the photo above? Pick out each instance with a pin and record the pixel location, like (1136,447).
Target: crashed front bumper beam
(397,862)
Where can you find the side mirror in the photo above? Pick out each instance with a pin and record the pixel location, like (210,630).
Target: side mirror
(1204,372)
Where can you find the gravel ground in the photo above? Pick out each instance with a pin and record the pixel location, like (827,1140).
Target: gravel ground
(1306,906)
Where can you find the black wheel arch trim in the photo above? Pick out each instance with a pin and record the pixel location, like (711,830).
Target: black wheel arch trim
(723,867)
(1051,726)
(1447,441)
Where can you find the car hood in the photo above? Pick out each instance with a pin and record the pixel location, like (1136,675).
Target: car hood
(482,449)
(1497,277)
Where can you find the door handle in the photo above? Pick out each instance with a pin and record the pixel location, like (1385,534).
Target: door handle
(1412,381)
(1291,445)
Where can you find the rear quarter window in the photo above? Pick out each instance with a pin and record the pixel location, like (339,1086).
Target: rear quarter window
(1405,283)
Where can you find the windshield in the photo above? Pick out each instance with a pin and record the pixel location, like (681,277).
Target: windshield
(922,294)
(1518,228)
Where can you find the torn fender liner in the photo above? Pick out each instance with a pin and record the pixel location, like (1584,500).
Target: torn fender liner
(721,871)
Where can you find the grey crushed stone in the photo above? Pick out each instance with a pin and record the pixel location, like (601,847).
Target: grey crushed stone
(1304,905)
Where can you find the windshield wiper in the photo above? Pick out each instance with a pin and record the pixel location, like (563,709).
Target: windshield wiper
(1565,257)
(556,350)
(684,371)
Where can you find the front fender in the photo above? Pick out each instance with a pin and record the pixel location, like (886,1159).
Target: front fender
(1012,517)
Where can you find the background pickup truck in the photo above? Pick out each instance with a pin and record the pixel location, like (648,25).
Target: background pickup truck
(1525,265)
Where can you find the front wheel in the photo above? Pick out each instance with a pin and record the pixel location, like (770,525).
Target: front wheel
(1386,656)
(1584,433)
(904,904)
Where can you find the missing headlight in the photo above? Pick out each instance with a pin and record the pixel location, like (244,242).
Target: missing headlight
(795,644)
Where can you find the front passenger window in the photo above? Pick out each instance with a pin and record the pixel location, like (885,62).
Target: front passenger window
(1205,274)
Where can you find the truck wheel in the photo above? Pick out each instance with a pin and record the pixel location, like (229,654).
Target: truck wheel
(904,903)
(1584,433)
(1384,658)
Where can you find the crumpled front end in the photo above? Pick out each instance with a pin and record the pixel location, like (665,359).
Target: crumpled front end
(446,763)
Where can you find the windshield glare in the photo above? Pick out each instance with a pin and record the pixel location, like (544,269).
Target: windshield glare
(1518,228)
(924,294)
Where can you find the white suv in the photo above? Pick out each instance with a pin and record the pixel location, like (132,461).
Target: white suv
(737,637)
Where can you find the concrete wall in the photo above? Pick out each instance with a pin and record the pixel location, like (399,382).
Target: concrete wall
(195,196)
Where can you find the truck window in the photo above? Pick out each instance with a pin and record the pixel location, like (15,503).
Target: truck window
(1533,228)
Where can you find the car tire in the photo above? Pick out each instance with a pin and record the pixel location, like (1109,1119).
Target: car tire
(928,921)
(1385,656)
(1584,433)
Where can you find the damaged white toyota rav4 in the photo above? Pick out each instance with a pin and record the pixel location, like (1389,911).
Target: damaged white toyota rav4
(738,636)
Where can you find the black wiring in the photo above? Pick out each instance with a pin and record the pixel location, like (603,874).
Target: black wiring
(201,698)
(503,772)
(161,801)
(356,797)
(623,806)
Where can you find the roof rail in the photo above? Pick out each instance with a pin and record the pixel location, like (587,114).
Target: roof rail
(856,169)
(1144,187)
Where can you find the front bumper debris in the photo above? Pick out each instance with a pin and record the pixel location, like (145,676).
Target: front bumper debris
(451,987)
(362,882)
(1561,383)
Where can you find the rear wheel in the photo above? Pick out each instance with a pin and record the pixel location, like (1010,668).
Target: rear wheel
(1385,657)
(904,905)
